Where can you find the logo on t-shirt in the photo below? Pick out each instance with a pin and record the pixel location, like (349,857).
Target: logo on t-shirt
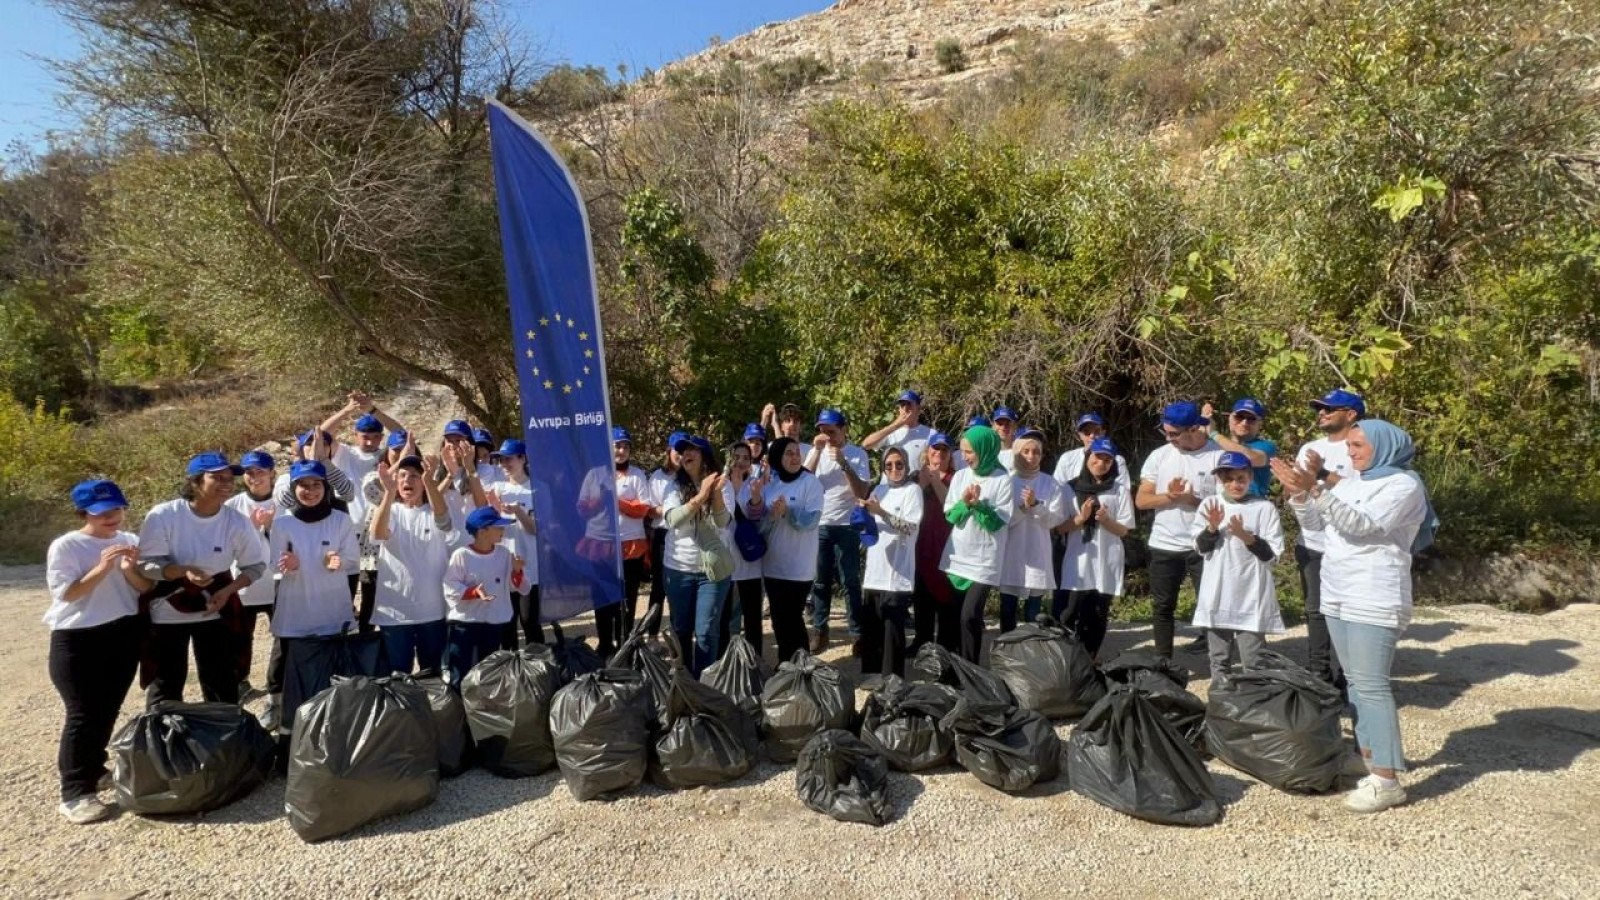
(216,549)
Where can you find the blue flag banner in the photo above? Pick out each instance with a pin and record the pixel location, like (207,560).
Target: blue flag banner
(561,373)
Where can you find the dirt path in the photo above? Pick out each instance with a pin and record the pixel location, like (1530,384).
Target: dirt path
(1501,718)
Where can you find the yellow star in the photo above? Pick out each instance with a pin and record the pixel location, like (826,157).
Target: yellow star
(530,352)
(583,335)
(530,335)
(566,388)
(588,354)
(548,384)
(543,322)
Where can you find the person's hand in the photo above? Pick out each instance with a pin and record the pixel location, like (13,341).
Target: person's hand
(493,497)
(1178,488)
(386,478)
(219,599)
(821,441)
(1086,511)
(430,464)
(872,505)
(905,419)
(1237,529)
(316,442)
(196,575)
(129,561)
(780,506)
(1313,462)
(1029,498)
(971,494)
(1294,479)
(837,452)
(717,483)
(109,556)
(768,411)
(261,517)
(1212,513)
(1206,410)
(1101,514)
(288,562)
(332,561)
(452,459)
(756,487)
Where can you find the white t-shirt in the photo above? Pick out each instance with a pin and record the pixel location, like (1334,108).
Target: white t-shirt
(972,551)
(791,538)
(1237,590)
(215,544)
(489,473)
(662,483)
(70,557)
(312,600)
(1008,459)
(1097,564)
(892,561)
(411,565)
(357,465)
(913,440)
(517,539)
(1173,528)
(838,500)
(682,553)
(1367,577)
(1336,459)
(1070,465)
(632,485)
(258,593)
(1029,565)
(468,568)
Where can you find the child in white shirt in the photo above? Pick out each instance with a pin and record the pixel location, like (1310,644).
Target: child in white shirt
(1239,535)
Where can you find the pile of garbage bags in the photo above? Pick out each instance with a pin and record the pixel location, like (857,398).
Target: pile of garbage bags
(806,696)
(189,758)
(709,737)
(1126,756)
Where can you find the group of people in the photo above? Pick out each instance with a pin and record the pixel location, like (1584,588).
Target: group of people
(437,552)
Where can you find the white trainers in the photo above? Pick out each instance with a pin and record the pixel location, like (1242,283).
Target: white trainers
(87,809)
(1371,796)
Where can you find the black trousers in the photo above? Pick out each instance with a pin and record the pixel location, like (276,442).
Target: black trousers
(934,622)
(788,602)
(524,613)
(613,623)
(213,660)
(746,593)
(1320,656)
(1086,613)
(243,630)
(1167,571)
(658,574)
(972,621)
(366,589)
(883,633)
(92,669)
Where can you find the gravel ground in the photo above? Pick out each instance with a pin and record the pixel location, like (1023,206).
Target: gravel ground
(1501,719)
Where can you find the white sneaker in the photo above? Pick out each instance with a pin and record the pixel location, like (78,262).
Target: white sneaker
(84,810)
(1371,796)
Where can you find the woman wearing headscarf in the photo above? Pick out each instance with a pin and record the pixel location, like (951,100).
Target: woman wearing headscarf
(935,604)
(1372,525)
(896,509)
(789,505)
(979,507)
(743,609)
(1028,575)
(1099,513)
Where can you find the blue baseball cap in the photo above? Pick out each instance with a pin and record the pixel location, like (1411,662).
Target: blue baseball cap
(1089,418)
(1028,431)
(1103,445)
(1004,412)
(754,432)
(513,447)
(978,420)
(485,517)
(940,439)
(398,439)
(257,459)
(307,438)
(1232,459)
(1341,399)
(831,416)
(698,443)
(620,435)
(369,424)
(1252,406)
(98,496)
(202,463)
(1183,415)
(458,428)
(482,438)
(307,468)
(674,438)
(865,525)
(909,397)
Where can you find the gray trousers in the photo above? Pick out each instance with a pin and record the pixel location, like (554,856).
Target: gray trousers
(1220,643)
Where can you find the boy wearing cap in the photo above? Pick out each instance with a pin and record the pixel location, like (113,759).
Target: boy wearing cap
(93,577)
(413,532)
(1239,534)
(1328,458)
(477,589)
(906,431)
(513,497)
(1175,479)
(1244,436)
(785,421)
(192,547)
(843,470)
(257,504)
(1005,425)
(1089,428)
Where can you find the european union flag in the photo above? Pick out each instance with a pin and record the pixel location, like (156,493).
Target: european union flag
(561,373)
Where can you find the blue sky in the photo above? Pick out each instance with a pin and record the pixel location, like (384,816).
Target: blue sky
(640,33)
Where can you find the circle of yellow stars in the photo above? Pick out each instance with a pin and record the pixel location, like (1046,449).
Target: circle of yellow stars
(588,352)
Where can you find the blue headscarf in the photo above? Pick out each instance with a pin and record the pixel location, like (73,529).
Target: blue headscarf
(1392,454)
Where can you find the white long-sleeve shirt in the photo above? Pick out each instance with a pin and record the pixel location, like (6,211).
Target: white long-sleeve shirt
(1029,565)
(518,540)
(892,561)
(312,600)
(1237,590)
(1368,527)
(1336,459)
(258,593)
(974,552)
(70,557)
(492,571)
(792,538)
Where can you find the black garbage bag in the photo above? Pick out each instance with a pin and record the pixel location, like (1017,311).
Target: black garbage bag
(1166,686)
(901,721)
(189,758)
(936,664)
(805,696)
(709,738)
(573,656)
(602,724)
(1279,723)
(311,663)
(363,749)
(1048,670)
(739,675)
(1125,755)
(636,655)
(839,775)
(450,714)
(1005,746)
(507,698)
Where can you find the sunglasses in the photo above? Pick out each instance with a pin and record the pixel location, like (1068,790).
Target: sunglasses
(1244,417)
(1171,433)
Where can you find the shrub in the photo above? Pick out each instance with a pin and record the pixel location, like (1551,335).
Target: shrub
(949,55)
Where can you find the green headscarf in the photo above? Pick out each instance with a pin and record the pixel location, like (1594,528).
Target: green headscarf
(986,444)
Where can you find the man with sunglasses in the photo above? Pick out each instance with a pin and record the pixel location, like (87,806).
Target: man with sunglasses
(1328,458)
(1244,436)
(1175,479)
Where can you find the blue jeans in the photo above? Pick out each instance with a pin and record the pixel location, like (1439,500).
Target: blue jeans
(838,554)
(1367,652)
(419,641)
(1031,608)
(695,606)
(466,645)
